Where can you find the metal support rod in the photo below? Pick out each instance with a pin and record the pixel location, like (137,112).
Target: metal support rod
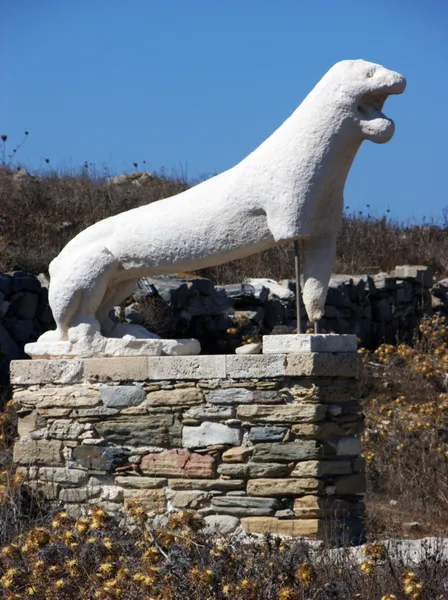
(297,275)
(316,327)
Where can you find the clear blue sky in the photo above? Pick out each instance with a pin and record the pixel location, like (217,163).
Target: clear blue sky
(195,85)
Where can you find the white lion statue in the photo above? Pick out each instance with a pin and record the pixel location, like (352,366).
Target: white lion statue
(291,187)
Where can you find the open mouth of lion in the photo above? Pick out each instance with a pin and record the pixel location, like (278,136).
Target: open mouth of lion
(371,106)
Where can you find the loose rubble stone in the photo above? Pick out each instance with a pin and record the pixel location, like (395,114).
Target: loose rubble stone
(179,463)
(223,524)
(210,433)
(122,396)
(249,349)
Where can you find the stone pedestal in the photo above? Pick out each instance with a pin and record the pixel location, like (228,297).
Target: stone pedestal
(268,442)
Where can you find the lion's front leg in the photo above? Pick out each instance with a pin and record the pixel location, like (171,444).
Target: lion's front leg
(318,259)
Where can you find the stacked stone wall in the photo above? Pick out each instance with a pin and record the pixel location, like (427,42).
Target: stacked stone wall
(268,443)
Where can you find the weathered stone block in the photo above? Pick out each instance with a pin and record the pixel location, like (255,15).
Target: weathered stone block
(312,506)
(94,412)
(297,343)
(322,468)
(288,527)
(142,483)
(245,506)
(100,458)
(29,372)
(156,430)
(79,494)
(179,463)
(282,487)
(222,524)
(187,499)
(237,455)
(287,452)
(26,423)
(208,434)
(240,366)
(323,365)
(122,396)
(209,413)
(131,368)
(63,475)
(70,396)
(65,429)
(230,396)
(206,484)
(289,413)
(151,500)
(49,490)
(253,470)
(186,367)
(183,397)
(267,434)
(38,452)
(424,275)
(319,431)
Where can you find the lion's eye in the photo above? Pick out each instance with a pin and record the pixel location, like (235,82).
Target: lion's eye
(369,74)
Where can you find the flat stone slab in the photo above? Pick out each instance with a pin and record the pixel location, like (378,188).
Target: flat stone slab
(219,366)
(114,347)
(298,343)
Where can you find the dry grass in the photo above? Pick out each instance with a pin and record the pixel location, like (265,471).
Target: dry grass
(406,438)
(91,558)
(50,557)
(44,213)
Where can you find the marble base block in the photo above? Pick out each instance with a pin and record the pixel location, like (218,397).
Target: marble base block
(302,342)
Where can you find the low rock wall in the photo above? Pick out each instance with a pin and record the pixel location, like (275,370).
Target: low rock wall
(379,308)
(267,442)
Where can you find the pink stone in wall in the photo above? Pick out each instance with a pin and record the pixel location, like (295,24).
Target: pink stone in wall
(179,463)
